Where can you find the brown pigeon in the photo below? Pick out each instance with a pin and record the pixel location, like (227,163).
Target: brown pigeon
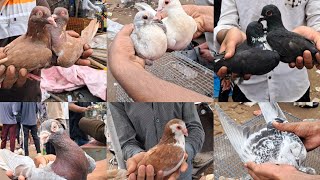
(31,50)
(69,49)
(168,154)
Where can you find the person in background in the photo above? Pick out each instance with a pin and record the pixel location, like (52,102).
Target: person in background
(29,112)
(8,111)
(76,112)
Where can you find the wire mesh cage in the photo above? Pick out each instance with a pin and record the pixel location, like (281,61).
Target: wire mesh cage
(227,162)
(178,69)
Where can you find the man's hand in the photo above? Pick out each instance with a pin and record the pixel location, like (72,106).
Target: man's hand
(306,59)
(309,132)
(9,77)
(232,39)
(87,51)
(122,46)
(268,171)
(205,52)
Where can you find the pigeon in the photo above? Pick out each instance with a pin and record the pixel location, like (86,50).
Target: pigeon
(71,161)
(31,50)
(149,37)
(179,25)
(265,144)
(69,49)
(253,56)
(168,154)
(288,44)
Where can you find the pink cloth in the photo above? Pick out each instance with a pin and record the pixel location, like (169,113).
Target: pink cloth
(58,79)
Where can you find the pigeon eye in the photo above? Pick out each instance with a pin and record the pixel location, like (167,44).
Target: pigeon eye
(269,13)
(144,17)
(179,127)
(166,2)
(39,14)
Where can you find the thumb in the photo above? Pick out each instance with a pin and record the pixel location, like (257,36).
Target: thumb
(230,50)
(290,127)
(131,166)
(126,30)
(250,165)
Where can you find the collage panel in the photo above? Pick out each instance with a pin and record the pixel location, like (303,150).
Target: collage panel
(266,141)
(53,140)
(53,50)
(160,51)
(267,51)
(160,140)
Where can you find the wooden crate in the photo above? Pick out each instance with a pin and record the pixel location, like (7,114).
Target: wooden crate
(77,24)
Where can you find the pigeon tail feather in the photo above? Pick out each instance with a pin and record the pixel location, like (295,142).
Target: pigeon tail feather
(270,111)
(90,31)
(142,6)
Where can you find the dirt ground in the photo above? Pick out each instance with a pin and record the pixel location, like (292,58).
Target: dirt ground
(242,113)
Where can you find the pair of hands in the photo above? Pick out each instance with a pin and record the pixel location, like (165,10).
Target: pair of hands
(8,75)
(235,36)
(309,132)
(147,172)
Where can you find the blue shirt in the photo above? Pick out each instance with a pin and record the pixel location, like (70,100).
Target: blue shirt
(8,111)
(29,113)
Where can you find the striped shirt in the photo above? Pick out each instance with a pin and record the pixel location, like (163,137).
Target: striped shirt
(14,15)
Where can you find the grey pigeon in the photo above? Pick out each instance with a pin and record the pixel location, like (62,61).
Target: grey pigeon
(288,44)
(253,56)
(149,37)
(71,162)
(264,143)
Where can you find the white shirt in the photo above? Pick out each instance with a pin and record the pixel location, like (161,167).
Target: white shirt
(14,17)
(285,83)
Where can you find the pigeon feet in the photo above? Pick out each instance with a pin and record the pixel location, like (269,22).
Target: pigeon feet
(149,62)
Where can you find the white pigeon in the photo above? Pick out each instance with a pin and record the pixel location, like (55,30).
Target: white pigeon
(264,143)
(148,36)
(180,26)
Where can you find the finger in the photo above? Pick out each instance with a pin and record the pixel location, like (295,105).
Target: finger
(86,47)
(222,72)
(9,80)
(307,59)
(126,30)
(299,62)
(132,176)
(184,167)
(230,49)
(141,172)
(290,127)
(22,77)
(73,33)
(131,165)
(83,62)
(9,173)
(246,76)
(87,53)
(253,175)
(150,172)
(318,57)
(159,175)
(292,64)
(21,177)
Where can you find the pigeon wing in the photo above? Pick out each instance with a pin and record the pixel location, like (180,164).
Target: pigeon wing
(10,160)
(271,111)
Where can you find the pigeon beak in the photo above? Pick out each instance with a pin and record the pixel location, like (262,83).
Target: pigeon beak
(185,132)
(44,136)
(51,21)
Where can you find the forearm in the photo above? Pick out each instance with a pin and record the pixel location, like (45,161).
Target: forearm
(143,86)
(130,150)
(75,108)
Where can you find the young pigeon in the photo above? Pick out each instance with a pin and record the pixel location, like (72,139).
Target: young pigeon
(149,37)
(252,56)
(69,49)
(264,143)
(31,50)
(288,44)
(71,162)
(168,154)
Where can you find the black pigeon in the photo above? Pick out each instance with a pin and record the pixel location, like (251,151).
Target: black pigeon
(263,143)
(252,56)
(288,44)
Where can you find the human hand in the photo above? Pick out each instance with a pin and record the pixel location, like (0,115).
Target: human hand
(269,171)
(306,59)
(309,132)
(201,14)
(205,52)
(8,77)
(232,39)
(43,160)
(122,47)
(87,51)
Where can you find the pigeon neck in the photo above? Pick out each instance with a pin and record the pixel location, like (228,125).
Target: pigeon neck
(172,138)
(57,34)
(275,24)
(37,31)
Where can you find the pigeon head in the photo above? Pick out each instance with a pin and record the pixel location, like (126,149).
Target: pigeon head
(178,127)
(254,31)
(61,15)
(272,15)
(143,18)
(48,128)
(165,5)
(41,16)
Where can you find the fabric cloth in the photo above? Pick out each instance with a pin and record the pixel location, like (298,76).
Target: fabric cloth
(283,83)
(14,15)
(74,118)
(8,111)
(11,130)
(94,128)
(140,126)
(33,129)
(29,112)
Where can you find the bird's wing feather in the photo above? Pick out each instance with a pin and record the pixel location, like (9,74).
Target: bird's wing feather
(10,160)
(92,163)
(270,111)
(142,6)
(34,173)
